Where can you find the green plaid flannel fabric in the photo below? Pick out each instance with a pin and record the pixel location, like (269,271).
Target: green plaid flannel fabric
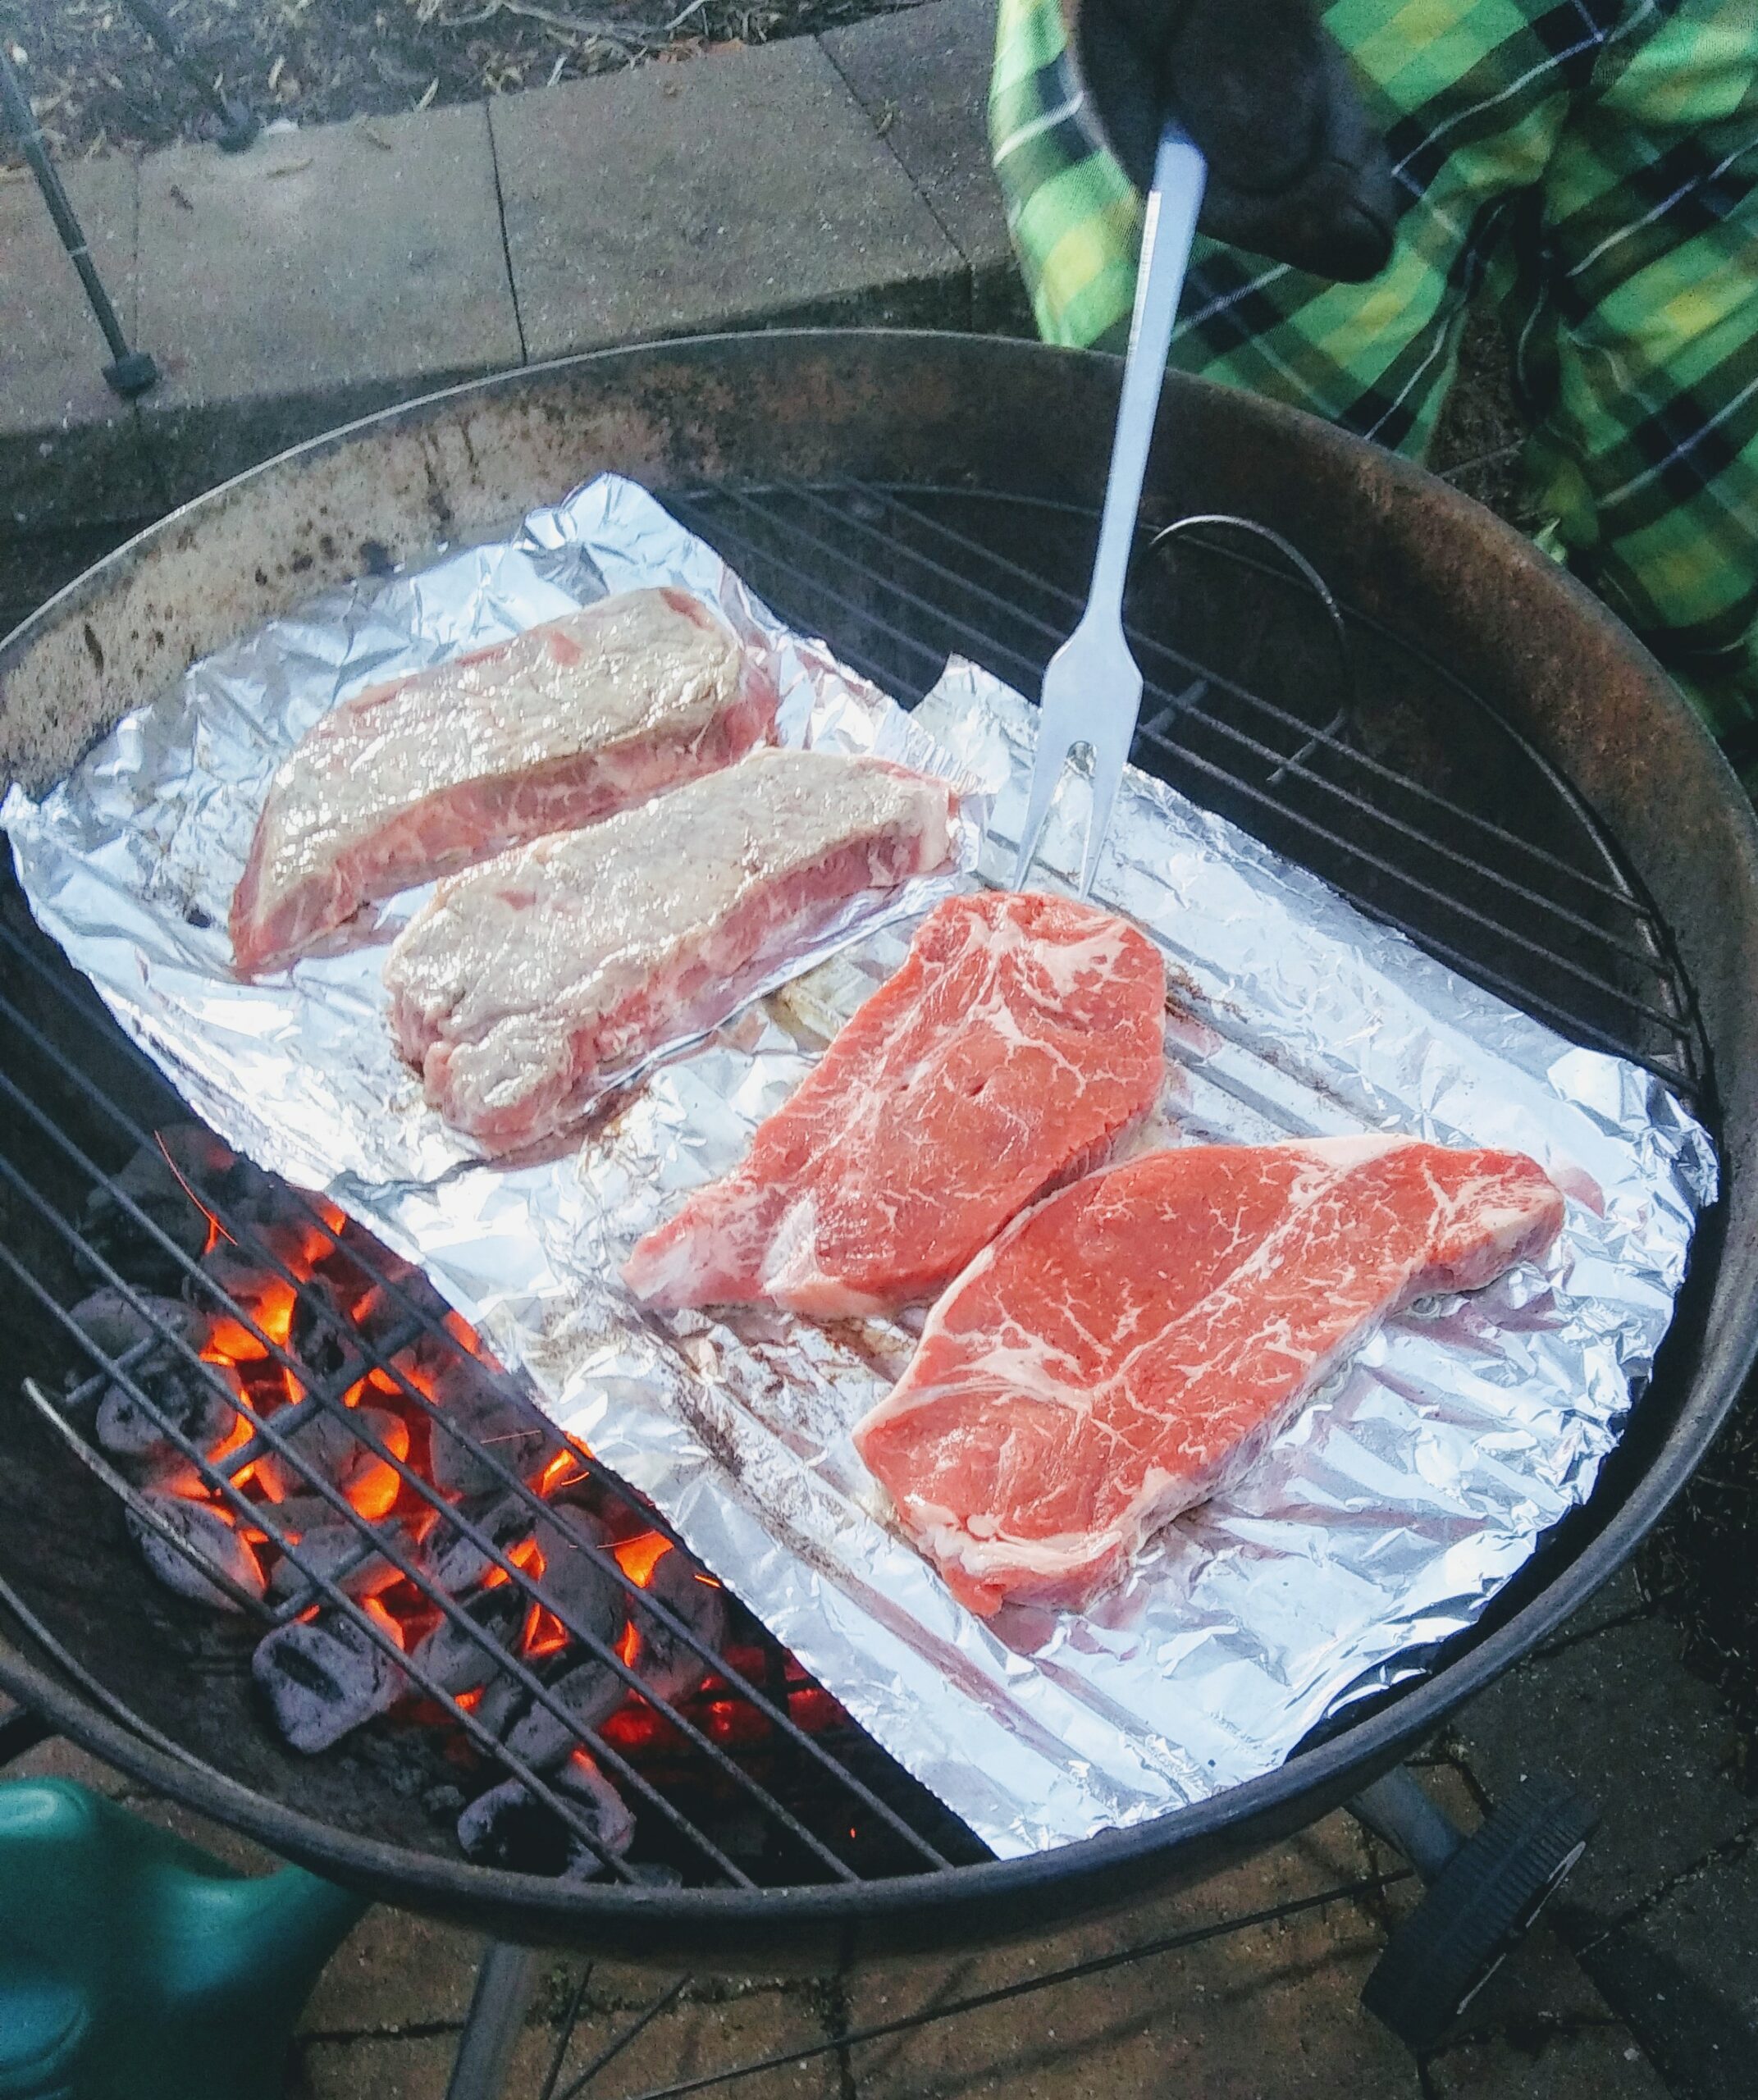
(1592,165)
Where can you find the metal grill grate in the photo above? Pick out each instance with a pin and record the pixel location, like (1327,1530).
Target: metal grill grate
(1368,763)
(1381,772)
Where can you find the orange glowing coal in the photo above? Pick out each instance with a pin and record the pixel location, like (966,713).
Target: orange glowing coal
(331,1256)
(639,1556)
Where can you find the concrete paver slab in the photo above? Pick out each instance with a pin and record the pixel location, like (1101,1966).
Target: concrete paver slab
(1540,2029)
(1684,1976)
(744,189)
(404,2067)
(69,447)
(922,75)
(694,2039)
(1273,2009)
(323,273)
(1595,2060)
(395,1971)
(1645,1740)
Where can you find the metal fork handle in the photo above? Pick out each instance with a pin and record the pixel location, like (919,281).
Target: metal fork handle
(1168,228)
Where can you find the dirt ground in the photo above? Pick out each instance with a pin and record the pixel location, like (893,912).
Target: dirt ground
(96,81)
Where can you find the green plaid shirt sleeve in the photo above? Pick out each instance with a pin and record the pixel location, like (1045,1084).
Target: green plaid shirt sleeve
(1592,166)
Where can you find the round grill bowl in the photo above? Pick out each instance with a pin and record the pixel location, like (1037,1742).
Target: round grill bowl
(1019,434)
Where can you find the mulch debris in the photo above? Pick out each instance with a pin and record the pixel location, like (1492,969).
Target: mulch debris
(97,83)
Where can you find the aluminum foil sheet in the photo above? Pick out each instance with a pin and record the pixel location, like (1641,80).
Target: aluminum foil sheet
(1378,1525)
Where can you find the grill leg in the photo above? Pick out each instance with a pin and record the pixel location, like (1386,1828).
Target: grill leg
(506,1984)
(130,372)
(1400,1808)
(238,126)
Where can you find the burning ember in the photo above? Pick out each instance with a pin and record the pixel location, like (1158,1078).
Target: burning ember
(395,1559)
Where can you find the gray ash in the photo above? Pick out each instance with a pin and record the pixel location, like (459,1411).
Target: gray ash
(509,1827)
(323,1677)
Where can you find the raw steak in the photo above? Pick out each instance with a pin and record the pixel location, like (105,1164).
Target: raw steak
(1021,1035)
(521,985)
(559,727)
(1132,1344)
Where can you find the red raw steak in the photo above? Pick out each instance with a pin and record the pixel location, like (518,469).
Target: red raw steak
(566,723)
(1022,1034)
(1133,1344)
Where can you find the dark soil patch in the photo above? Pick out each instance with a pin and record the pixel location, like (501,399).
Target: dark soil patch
(1701,1563)
(96,81)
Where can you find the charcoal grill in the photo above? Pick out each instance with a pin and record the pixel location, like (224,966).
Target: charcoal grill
(1343,655)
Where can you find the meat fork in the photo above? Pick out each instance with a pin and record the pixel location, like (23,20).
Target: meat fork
(1092,688)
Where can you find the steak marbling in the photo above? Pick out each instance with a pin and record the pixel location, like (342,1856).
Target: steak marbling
(1133,1342)
(1022,1034)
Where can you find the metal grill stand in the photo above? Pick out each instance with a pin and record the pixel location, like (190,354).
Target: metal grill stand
(130,373)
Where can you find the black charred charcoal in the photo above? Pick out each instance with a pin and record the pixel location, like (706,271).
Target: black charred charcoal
(508,1827)
(468,1397)
(333,1549)
(665,1659)
(455,1659)
(499,1702)
(192,1397)
(456,1561)
(323,1677)
(147,1182)
(114,1327)
(581,1779)
(319,1336)
(241,1272)
(325,1445)
(300,1513)
(578,1577)
(590,1692)
(234,1188)
(209,1536)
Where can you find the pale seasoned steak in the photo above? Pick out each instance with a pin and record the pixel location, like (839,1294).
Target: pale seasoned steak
(1133,1342)
(567,723)
(519,985)
(1023,1034)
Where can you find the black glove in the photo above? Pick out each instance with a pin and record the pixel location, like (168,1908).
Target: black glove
(1296,171)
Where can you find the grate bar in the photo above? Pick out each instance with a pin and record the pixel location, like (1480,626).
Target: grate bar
(773,1712)
(1498,834)
(1312,825)
(259,1517)
(1585,976)
(501,1660)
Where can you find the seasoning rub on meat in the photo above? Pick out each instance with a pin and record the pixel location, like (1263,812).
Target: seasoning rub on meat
(519,987)
(567,723)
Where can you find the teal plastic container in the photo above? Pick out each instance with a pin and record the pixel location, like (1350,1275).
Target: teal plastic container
(134,1966)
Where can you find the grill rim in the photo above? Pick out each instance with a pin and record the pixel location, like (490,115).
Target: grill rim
(1110,1868)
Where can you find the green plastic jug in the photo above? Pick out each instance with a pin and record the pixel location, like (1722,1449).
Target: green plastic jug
(133,1966)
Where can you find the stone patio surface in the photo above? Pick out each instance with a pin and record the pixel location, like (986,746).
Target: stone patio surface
(331,271)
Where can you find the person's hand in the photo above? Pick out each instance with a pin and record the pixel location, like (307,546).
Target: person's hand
(1296,171)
